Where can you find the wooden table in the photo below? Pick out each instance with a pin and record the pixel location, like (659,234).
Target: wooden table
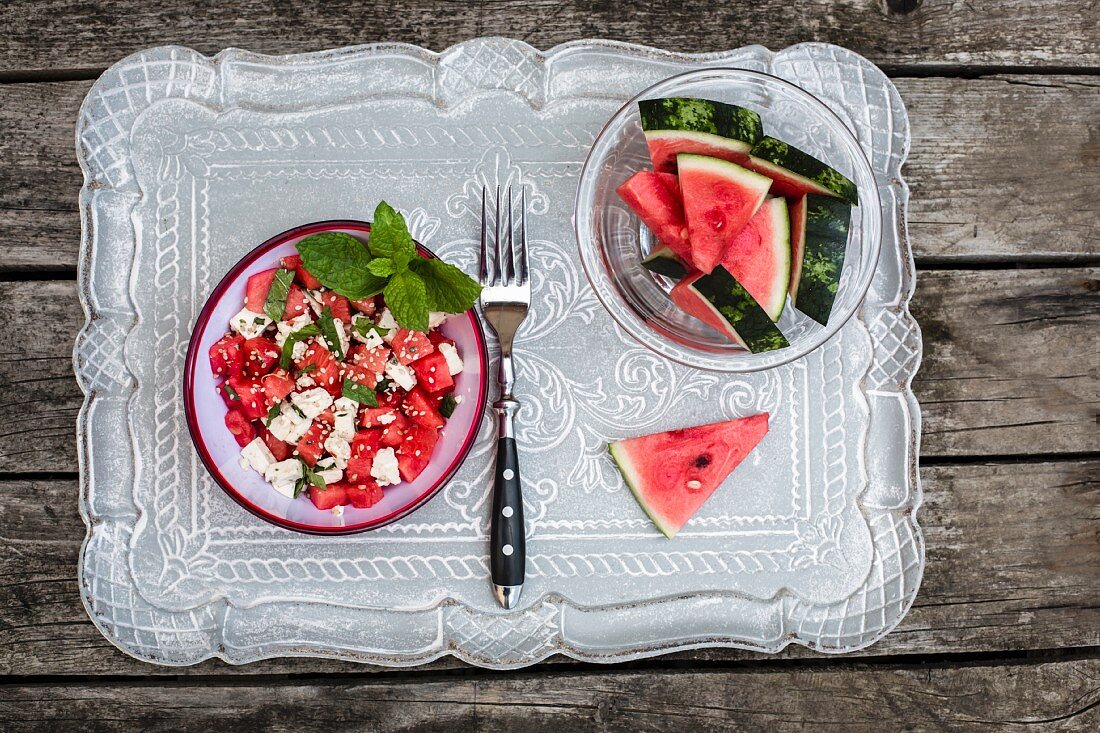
(1004,101)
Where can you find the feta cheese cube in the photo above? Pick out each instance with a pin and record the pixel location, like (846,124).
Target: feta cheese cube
(386,418)
(285,328)
(402,376)
(283,475)
(436,319)
(312,402)
(330,475)
(299,351)
(387,322)
(305,382)
(339,449)
(454,361)
(289,426)
(384,469)
(345,411)
(315,304)
(249,324)
(337,511)
(257,456)
(342,335)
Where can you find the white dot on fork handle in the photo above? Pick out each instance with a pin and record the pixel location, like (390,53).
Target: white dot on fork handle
(506,511)
(507,550)
(508,474)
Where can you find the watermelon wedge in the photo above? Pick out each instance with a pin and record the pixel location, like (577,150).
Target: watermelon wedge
(677,125)
(795,173)
(719,199)
(655,198)
(719,301)
(819,242)
(664,261)
(760,256)
(672,474)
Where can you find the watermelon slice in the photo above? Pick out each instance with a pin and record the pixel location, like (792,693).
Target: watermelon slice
(819,241)
(664,261)
(719,301)
(655,198)
(677,125)
(719,199)
(760,256)
(672,474)
(794,172)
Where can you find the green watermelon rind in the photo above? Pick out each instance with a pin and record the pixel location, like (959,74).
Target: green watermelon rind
(684,114)
(779,158)
(749,324)
(663,261)
(626,468)
(824,246)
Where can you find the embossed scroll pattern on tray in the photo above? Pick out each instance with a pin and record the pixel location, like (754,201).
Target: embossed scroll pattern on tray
(190,163)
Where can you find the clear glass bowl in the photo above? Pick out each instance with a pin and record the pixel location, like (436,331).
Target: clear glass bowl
(613,240)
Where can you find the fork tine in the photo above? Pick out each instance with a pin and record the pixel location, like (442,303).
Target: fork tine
(523,256)
(510,259)
(483,272)
(498,267)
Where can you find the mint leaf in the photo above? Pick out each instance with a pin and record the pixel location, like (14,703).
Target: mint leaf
(312,477)
(299,486)
(389,236)
(273,413)
(447,406)
(382,267)
(340,262)
(447,288)
(328,332)
(407,299)
(276,296)
(363,395)
(232,393)
(294,337)
(363,326)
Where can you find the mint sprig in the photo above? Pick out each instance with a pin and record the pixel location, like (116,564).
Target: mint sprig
(389,264)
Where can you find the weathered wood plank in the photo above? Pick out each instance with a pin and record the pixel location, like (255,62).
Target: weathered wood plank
(1012,565)
(1055,696)
(67,35)
(1011,361)
(1010,366)
(982,189)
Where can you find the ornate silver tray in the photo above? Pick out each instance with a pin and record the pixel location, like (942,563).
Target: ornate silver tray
(190,161)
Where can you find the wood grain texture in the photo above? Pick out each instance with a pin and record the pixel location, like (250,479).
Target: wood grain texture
(70,34)
(1057,696)
(1012,565)
(982,189)
(1010,366)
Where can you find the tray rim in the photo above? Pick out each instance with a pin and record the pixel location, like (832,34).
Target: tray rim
(435,59)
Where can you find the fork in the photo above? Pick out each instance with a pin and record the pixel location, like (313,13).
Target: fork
(505,298)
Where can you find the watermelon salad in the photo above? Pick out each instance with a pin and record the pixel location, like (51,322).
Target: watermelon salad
(332,396)
(742,220)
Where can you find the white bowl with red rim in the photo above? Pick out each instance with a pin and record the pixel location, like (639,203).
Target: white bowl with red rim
(205,411)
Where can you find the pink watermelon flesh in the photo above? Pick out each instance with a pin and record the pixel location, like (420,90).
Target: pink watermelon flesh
(719,199)
(655,198)
(694,305)
(672,474)
(760,256)
(665,145)
(798,241)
